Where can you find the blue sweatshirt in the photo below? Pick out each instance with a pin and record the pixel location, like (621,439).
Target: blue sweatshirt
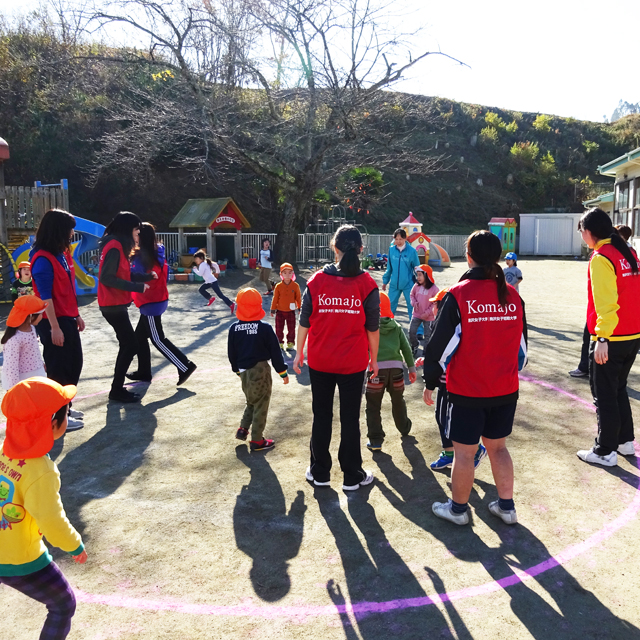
(151,308)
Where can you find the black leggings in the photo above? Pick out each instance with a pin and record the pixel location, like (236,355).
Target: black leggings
(118,318)
(216,288)
(64,364)
(150,328)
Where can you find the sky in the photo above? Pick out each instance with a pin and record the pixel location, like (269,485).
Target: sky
(561,57)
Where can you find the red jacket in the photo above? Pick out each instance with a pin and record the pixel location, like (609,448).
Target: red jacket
(110,296)
(63,292)
(615,311)
(479,343)
(157,291)
(337,341)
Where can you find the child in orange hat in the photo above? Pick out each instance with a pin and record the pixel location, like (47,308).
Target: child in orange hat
(393,352)
(286,300)
(21,350)
(30,505)
(250,346)
(424,310)
(22,285)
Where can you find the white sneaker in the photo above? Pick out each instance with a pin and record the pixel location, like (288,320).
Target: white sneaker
(443,510)
(588,455)
(78,415)
(309,477)
(627,449)
(74,425)
(352,487)
(508,517)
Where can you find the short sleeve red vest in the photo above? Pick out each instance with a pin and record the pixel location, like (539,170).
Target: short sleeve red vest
(337,341)
(157,291)
(628,286)
(63,292)
(485,364)
(110,296)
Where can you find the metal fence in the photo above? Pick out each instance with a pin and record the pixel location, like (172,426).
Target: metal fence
(313,248)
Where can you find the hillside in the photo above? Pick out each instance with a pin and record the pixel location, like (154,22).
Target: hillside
(495,162)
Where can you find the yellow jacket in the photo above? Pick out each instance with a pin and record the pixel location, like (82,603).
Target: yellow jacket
(31,508)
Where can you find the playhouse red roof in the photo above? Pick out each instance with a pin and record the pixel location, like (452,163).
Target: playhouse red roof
(414,236)
(502,220)
(410,220)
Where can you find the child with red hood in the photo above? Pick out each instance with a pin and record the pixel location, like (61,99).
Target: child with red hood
(30,503)
(250,347)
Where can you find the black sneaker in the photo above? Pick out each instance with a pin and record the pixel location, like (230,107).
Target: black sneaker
(242,433)
(122,395)
(184,376)
(578,373)
(138,377)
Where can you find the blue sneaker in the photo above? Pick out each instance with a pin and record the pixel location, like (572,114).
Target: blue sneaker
(481,454)
(442,462)
(374,445)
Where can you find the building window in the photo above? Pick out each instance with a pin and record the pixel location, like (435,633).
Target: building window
(636,208)
(621,214)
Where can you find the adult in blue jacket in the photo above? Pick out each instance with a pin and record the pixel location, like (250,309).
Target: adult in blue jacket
(403,259)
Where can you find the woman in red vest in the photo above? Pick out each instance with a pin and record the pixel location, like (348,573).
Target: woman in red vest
(480,341)
(339,322)
(54,282)
(115,288)
(150,258)
(613,321)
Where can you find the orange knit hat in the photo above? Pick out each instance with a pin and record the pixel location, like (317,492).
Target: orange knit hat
(249,305)
(29,407)
(23,307)
(385,306)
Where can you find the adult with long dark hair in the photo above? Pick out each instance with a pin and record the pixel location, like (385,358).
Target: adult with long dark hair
(150,258)
(479,339)
(339,322)
(613,321)
(54,280)
(115,287)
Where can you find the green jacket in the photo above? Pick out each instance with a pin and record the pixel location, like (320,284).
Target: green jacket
(394,346)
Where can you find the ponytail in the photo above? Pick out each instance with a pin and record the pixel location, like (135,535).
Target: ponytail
(619,244)
(8,334)
(348,240)
(485,249)
(205,258)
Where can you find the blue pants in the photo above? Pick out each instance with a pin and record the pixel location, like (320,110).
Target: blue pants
(51,588)
(216,288)
(394,298)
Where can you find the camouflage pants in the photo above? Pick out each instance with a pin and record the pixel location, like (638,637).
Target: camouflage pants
(256,386)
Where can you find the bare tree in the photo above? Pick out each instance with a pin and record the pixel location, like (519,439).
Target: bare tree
(289,90)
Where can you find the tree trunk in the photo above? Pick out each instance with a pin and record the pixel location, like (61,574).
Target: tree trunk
(290,221)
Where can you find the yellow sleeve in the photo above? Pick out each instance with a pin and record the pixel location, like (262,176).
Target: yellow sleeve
(604,287)
(42,501)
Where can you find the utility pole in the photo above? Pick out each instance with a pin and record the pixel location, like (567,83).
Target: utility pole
(4,155)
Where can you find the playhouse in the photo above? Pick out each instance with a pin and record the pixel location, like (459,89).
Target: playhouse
(429,252)
(505,229)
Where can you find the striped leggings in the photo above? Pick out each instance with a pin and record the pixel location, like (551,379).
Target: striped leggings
(50,587)
(150,328)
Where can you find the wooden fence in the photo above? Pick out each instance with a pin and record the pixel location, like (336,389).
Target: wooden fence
(25,206)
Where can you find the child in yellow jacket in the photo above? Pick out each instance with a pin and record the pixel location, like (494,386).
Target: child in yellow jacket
(30,505)
(286,300)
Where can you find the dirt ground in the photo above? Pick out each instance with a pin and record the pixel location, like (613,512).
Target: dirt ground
(191,536)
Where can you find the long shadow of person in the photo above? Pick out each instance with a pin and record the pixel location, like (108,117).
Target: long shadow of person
(382,589)
(98,467)
(580,608)
(264,530)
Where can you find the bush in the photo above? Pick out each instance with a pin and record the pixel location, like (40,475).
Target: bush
(489,135)
(494,120)
(542,123)
(525,153)
(590,147)
(512,127)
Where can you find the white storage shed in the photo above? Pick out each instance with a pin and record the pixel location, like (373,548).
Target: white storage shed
(550,234)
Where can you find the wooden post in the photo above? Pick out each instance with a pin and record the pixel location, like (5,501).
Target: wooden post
(237,242)
(211,244)
(182,247)
(4,155)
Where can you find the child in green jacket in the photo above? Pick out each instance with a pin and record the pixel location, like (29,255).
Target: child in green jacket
(393,352)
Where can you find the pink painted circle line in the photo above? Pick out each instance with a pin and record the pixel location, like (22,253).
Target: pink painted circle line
(304,611)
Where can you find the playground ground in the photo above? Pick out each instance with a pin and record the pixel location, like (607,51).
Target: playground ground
(190,536)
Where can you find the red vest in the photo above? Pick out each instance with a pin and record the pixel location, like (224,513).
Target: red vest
(337,341)
(157,291)
(628,287)
(109,296)
(63,292)
(485,364)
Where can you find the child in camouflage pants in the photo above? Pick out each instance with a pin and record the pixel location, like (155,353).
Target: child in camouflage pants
(250,346)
